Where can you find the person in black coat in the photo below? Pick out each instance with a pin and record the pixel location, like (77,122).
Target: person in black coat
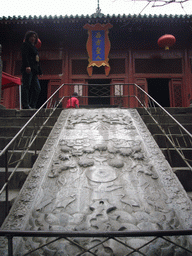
(30,69)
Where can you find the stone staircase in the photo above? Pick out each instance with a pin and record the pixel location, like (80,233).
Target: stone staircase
(11,121)
(100,170)
(184,116)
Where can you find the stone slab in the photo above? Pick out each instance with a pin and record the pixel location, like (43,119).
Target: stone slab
(100,170)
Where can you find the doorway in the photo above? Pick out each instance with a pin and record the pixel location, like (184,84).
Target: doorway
(99,92)
(43,93)
(158,89)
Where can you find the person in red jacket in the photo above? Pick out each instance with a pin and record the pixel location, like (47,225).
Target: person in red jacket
(73,102)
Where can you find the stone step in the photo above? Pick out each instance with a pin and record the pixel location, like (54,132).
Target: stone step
(37,145)
(185,177)
(167,120)
(11,121)
(154,129)
(13,193)
(175,160)
(179,148)
(27,162)
(172,111)
(38,121)
(12,131)
(189,195)
(27,113)
(182,141)
(108,174)
(18,178)
(99,106)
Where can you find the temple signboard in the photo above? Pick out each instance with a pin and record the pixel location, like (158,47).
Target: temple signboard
(98,46)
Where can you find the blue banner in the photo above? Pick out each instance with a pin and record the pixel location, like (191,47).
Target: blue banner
(98,45)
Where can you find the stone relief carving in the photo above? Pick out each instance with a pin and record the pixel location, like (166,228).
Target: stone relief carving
(103,187)
(101,178)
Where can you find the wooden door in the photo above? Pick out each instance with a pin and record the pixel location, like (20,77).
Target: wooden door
(79,86)
(117,92)
(175,88)
(142,97)
(53,85)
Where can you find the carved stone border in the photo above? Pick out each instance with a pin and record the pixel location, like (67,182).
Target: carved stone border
(19,214)
(180,200)
(21,209)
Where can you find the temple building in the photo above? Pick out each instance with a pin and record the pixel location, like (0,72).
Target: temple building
(112,177)
(131,54)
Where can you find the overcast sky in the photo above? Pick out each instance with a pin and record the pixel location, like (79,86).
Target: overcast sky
(73,7)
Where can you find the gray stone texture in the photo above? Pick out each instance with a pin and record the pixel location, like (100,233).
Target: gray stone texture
(100,170)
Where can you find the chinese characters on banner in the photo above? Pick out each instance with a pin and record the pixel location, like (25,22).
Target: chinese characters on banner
(98,46)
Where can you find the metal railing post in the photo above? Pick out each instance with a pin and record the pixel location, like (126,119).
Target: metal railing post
(10,245)
(5,150)
(0,71)
(6,181)
(155,234)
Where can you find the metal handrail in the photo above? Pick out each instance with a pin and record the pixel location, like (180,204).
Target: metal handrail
(10,234)
(137,233)
(164,110)
(168,136)
(122,96)
(155,234)
(16,136)
(6,148)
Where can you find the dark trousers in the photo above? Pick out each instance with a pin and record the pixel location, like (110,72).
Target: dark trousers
(30,90)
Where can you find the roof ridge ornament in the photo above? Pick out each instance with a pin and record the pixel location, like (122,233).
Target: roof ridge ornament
(98,13)
(98,10)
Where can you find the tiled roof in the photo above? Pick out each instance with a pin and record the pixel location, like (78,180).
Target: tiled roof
(67,18)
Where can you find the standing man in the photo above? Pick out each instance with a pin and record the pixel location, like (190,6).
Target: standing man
(30,69)
(73,102)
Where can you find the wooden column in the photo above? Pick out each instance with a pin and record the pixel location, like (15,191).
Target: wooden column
(0,71)
(131,80)
(187,88)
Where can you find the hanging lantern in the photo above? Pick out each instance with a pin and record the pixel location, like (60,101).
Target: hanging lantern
(38,44)
(166,41)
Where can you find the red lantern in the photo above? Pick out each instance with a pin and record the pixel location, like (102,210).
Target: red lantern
(38,44)
(166,41)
